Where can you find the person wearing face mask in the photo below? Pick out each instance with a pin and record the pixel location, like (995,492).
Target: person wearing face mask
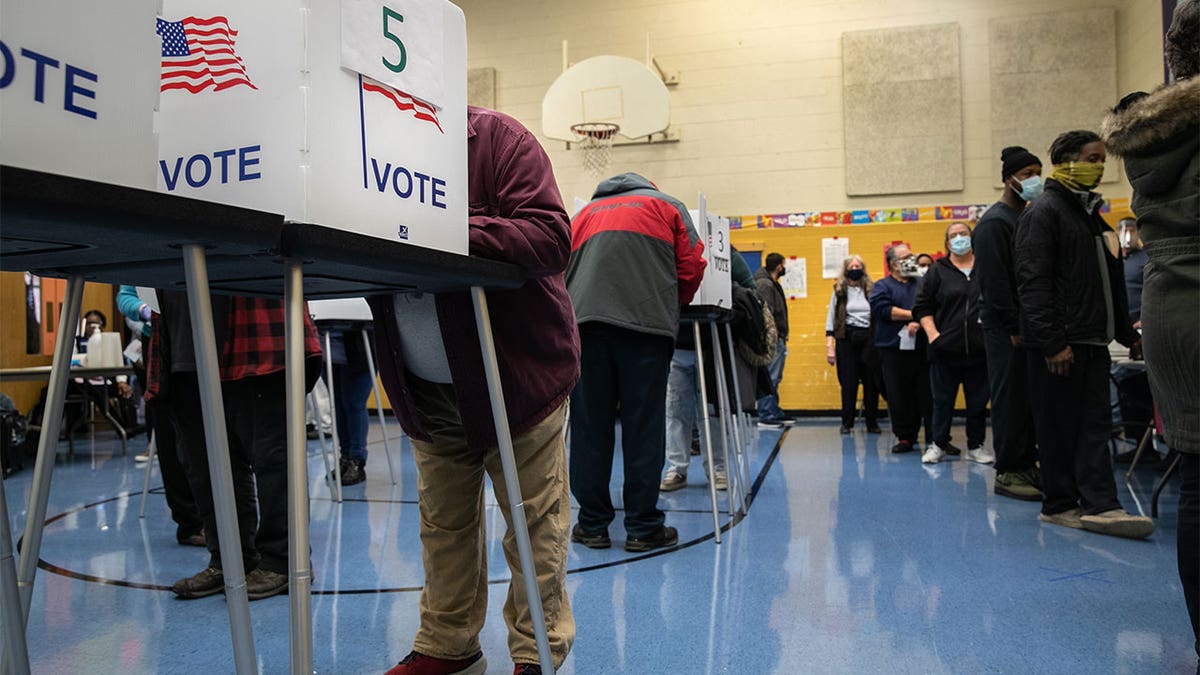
(1072,299)
(947,307)
(905,368)
(1017,473)
(849,344)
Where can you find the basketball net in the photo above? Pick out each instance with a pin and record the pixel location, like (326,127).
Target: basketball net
(595,142)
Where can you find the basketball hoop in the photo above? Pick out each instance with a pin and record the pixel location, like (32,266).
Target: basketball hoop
(595,140)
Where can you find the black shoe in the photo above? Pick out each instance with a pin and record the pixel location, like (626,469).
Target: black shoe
(261,583)
(353,472)
(310,432)
(902,447)
(208,582)
(951,449)
(846,430)
(590,540)
(666,536)
(873,429)
(695,449)
(196,539)
(527,669)
(343,467)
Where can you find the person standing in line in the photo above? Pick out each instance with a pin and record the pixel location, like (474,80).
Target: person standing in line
(1072,298)
(849,343)
(1158,136)
(432,369)
(635,260)
(905,367)
(189,530)
(924,262)
(766,281)
(947,308)
(1017,472)
(1133,260)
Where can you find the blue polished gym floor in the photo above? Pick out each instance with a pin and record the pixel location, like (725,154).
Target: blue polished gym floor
(851,560)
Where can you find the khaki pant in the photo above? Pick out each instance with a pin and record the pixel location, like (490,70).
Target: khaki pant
(453,539)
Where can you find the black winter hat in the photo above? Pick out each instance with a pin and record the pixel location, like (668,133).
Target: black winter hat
(1014,158)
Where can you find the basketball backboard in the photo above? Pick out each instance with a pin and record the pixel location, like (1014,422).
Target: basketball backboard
(606,88)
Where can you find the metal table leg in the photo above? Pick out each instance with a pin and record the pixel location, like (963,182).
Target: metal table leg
(740,436)
(387,451)
(217,442)
(333,430)
(43,468)
(16,654)
(300,656)
(708,449)
(512,483)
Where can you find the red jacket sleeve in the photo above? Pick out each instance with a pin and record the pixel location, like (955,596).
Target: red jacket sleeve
(689,258)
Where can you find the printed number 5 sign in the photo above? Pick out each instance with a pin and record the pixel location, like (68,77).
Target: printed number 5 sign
(396,42)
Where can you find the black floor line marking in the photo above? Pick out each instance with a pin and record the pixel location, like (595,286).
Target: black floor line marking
(754,488)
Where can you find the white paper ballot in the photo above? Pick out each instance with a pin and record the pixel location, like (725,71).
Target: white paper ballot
(908,342)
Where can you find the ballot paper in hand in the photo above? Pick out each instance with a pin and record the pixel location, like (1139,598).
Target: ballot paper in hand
(908,342)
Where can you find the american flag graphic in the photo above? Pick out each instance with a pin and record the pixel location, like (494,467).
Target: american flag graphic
(420,109)
(197,54)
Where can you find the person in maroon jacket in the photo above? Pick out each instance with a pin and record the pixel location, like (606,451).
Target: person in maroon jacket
(432,368)
(635,260)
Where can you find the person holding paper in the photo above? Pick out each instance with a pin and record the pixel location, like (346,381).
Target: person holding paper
(947,307)
(1073,304)
(432,368)
(901,348)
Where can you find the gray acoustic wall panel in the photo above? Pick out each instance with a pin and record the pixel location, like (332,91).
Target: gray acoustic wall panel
(481,87)
(902,97)
(1051,73)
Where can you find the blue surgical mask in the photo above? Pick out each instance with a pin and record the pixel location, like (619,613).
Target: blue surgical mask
(1031,187)
(960,244)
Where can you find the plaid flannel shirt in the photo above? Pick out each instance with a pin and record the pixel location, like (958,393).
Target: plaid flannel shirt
(254,343)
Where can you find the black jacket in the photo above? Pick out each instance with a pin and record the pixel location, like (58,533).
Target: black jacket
(771,293)
(994,269)
(1061,284)
(952,299)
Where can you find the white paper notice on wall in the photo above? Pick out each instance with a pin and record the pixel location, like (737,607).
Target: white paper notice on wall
(398,43)
(795,278)
(834,252)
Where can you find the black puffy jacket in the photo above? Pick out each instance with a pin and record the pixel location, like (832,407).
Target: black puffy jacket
(1060,282)
(952,299)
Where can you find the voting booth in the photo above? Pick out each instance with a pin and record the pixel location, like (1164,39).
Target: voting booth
(715,289)
(69,102)
(351,115)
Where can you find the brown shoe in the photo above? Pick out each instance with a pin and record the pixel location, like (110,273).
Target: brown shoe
(262,583)
(196,539)
(208,582)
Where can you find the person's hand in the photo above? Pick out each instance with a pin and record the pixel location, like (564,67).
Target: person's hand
(1137,325)
(831,355)
(1060,363)
(934,338)
(1135,351)
(144,312)
(124,390)
(1015,340)
(913,327)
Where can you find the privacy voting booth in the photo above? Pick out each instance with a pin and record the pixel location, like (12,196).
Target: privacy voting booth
(321,143)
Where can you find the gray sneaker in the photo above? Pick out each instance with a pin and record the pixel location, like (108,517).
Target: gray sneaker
(674,480)
(720,481)
(1018,485)
(1118,523)
(1068,518)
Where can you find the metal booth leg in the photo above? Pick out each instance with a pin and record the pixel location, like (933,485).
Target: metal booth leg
(217,442)
(511,482)
(739,443)
(731,485)
(708,449)
(43,468)
(333,430)
(387,451)
(16,653)
(299,562)
(151,450)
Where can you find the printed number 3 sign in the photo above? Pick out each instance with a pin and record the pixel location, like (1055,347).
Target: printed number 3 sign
(397,43)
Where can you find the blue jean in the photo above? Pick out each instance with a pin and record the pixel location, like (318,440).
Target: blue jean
(768,406)
(350,399)
(685,413)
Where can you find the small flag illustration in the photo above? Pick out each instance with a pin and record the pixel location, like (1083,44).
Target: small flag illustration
(198,54)
(419,109)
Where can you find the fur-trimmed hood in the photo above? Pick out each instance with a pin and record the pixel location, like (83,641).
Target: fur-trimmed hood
(1144,126)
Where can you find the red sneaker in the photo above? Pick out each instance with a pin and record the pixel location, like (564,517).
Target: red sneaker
(417,663)
(527,669)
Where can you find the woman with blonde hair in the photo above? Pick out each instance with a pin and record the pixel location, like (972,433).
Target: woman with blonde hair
(849,344)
